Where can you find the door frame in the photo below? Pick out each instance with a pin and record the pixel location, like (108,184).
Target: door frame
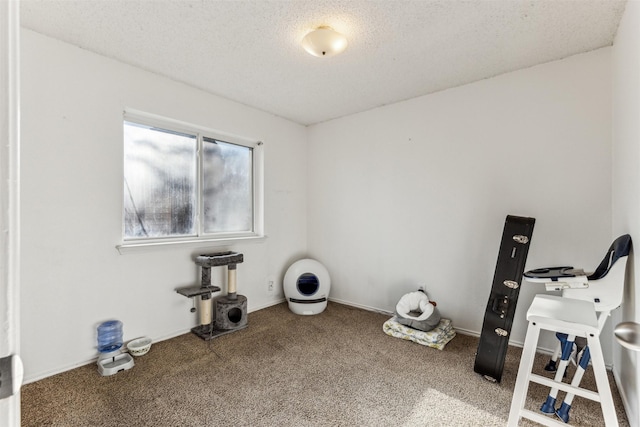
(10,196)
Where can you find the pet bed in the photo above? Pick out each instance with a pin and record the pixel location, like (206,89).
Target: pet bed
(417,312)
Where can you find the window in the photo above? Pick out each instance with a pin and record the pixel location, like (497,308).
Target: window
(185,183)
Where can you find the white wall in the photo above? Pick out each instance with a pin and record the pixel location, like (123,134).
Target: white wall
(73,277)
(626,189)
(415,192)
(418,191)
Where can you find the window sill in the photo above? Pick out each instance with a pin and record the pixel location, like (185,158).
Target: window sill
(133,247)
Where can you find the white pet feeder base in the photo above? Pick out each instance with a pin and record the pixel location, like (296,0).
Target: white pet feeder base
(114,362)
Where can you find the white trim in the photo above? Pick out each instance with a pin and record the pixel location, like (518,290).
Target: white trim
(458,330)
(364,307)
(258,189)
(141,246)
(10,196)
(626,404)
(94,359)
(150,119)
(267,305)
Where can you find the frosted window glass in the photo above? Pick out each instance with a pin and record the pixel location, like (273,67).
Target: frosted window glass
(227,187)
(159,182)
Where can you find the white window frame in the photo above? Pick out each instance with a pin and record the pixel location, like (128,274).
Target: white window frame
(201,239)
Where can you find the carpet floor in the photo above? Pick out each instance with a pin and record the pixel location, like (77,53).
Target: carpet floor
(336,368)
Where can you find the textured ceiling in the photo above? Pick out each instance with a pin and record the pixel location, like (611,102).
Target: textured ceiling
(250,52)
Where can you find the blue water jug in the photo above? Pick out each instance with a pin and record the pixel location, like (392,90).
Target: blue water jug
(109,336)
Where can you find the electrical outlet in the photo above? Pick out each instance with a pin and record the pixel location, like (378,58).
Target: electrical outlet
(271,285)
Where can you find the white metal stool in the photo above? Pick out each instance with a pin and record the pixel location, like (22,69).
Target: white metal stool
(576,318)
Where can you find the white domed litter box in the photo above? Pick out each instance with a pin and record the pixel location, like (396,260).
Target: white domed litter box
(306,287)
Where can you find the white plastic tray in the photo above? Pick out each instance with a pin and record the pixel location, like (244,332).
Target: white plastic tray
(115,364)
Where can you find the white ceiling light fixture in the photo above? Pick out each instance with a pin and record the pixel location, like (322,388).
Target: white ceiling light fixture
(324,42)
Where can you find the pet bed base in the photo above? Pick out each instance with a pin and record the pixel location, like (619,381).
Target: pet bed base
(438,337)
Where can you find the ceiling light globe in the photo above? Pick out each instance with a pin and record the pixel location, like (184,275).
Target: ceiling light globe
(324,42)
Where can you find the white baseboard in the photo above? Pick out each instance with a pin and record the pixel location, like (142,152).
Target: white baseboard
(173,334)
(279,301)
(625,398)
(43,375)
(458,330)
(267,305)
(94,360)
(364,307)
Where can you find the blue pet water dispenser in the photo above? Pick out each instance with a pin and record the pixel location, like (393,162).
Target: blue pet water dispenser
(111,359)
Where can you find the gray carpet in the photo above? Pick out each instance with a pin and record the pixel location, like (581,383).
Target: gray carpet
(334,369)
